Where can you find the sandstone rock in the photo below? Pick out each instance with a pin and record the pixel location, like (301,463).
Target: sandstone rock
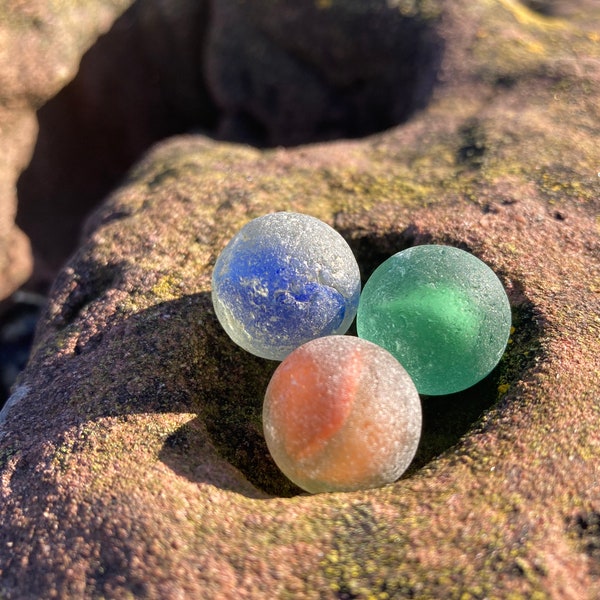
(39,52)
(131,456)
(140,82)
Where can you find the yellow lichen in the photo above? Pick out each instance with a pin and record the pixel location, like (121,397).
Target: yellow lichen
(167,287)
(503,388)
(529,18)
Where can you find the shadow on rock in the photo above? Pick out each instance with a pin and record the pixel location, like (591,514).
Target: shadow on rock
(175,358)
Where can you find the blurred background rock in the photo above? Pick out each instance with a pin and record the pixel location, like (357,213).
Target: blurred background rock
(85,89)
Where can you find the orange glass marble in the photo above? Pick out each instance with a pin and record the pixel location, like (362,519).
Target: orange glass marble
(341,414)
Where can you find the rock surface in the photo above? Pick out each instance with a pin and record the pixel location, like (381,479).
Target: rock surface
(39,53)
(139,82)
(132,461)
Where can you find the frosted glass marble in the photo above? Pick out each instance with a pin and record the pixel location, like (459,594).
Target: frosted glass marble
(284,279)
(341,414)
(441,311)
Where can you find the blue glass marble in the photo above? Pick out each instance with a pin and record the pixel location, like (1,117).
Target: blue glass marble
(284,279)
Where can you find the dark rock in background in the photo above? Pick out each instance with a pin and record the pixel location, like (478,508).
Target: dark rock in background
(18,321)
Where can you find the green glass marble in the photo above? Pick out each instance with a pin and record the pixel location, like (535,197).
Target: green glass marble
(443,314)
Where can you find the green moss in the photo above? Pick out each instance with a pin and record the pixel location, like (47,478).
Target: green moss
(558,182)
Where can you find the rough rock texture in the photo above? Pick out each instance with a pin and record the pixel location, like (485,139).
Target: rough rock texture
(140,82)
(39,52)
(131,456)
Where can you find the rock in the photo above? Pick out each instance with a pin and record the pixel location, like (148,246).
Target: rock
(39,53)
(290,74)
(132,461)
(71,129)
(301,71)
(139,82)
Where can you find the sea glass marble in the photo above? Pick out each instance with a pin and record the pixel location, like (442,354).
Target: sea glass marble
(442,312)
(284,279)
(341,414)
